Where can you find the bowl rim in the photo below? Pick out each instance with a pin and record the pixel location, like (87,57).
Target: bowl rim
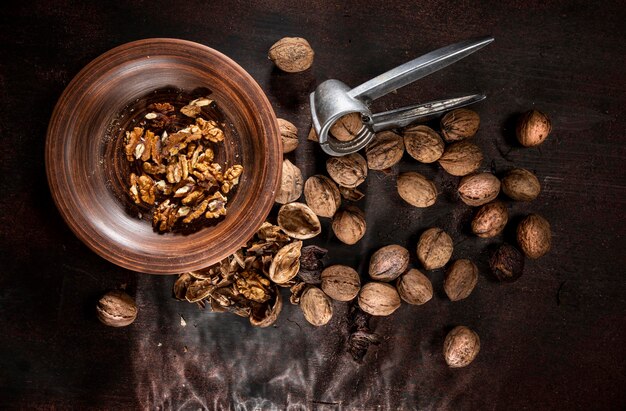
(177,265)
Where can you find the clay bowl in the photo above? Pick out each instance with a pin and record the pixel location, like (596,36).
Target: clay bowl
(88,175)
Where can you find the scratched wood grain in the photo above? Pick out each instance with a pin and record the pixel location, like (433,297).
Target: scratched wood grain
(552,340)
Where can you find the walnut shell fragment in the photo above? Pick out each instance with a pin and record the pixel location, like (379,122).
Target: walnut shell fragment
(461,278)
(322,195)
(379,299)
(297,220)
(459,124)
(349,225)
(347,127)
(490,220)
(384,151)
(292,54)
(116,309)
(340,282)
(479,189)
(265,314)
(316,306)
(414,287)
(416,189)
(423,143)
(533,127)
(461,158)
(290,184)
(521,185)
(461,347)
(347,171)
(286,263)
(534,236)
(288,134)
(434,248)
(388,263)
(351,194)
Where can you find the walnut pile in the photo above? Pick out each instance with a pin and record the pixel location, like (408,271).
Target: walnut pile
(173,169)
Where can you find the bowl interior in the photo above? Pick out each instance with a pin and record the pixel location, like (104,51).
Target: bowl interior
(88,174)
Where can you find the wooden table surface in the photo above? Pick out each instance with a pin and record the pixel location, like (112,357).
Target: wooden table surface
(555,339)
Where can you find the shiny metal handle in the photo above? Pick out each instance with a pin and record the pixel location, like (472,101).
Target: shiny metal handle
(416,69)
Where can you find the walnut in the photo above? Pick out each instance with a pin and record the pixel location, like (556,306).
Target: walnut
(292,54)
(507,263)
(416,189)
(533,127)
(347,171)
(461,278)
(478,189)
(297,220)
(414,287)
(253,286)
(147,189)
(423,143)
(116,309)
(264,315)
(388,263)
(461,347)
(462,158)
(490,220)
(290,184)
(533,236)
(341,282)
(379,299)
(288,134)
(459,124)
(434,248)
(322,195)
(346,128)
(316,306)
(384,151)
(351,194)
(286,263)
(521,185)
(349,225)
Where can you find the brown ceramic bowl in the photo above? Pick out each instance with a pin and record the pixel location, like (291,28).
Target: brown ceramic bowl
(86,171)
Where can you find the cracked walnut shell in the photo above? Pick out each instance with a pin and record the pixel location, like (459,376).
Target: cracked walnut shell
(286,263)
(116,309)
(297,220)
(434,248)
(292,54)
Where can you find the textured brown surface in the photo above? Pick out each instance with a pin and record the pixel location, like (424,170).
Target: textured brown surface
(554,339)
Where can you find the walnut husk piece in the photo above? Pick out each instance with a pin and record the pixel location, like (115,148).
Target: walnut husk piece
(349,225)
(384,151)
(478,189)
(116,309)
(379,299)
(533,127)
(521,185)
(347,127)
(288,135)
(490,219)
(434,248)
(534,236)
(347,171)
(416,189)
(388,262)
(316,306)
(459,124)
(297,220)
(414,287)
(322,195)
(292,54)
(461,158)
(461,279)
(423,143)
(340,282)
(461,347)
(291,183)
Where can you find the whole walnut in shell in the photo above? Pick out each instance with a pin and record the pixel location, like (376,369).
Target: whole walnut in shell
(389,262)
(461,347)
(423,143)
(347,127)
(490,220)
(298,221)
(521,185)
(316,306)
(533,127)
(414,287)
(322,195)
(347,171)
(379,299)
(434,248)
(341,282)
(116,309)
(288,134)
(416,189)
(461,159)
(461,278)
(534,236)
(292,54)
(349,225)
(507,263)
(384,151)
(459,124)
(479,189)
(290,183)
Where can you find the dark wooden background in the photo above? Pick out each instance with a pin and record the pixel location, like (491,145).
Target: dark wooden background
(555,339)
